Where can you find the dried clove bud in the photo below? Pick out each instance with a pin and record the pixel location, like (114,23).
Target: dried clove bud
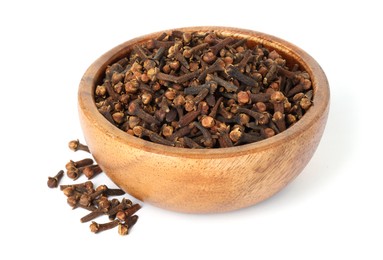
(91,171)
(75,145)
(85,162)
(53,182)
(96,227)
(123,228)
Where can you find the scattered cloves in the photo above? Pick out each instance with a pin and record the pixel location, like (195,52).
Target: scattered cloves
(96,227)
(123,228)
(110,192)
(92,215)
(53,182)
(83,195)
(79,164)
(88,185)
(91,171)
(75,146)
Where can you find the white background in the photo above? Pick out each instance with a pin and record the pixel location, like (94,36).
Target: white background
(333,210)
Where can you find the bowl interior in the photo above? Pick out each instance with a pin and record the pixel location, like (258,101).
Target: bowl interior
(291,53)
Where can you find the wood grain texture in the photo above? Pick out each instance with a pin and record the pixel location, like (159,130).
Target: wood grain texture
(204,180)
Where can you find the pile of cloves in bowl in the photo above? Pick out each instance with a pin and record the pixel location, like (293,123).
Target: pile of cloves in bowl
(203,90)
(96,200)
(190,90)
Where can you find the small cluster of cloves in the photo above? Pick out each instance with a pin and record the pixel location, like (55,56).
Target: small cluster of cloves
(120,213)
(84,166)
(83,195)
(203,90)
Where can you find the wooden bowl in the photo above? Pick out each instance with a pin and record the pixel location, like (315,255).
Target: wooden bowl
(204,180)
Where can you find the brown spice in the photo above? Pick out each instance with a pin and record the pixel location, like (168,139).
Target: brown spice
(53,182)
(96,228)
(91,171)
(75,145)
(78,164)
(175,89)
(83,195)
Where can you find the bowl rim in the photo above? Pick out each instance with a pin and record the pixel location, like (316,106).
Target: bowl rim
(320,106)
